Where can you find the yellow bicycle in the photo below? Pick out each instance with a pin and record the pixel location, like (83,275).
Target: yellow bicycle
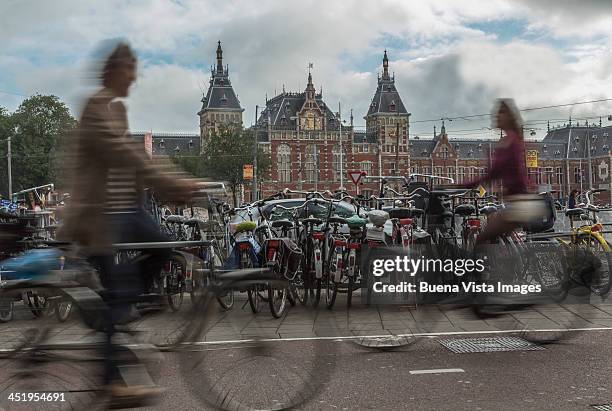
(590,254)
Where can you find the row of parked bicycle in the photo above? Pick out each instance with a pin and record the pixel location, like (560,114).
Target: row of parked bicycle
(313,243)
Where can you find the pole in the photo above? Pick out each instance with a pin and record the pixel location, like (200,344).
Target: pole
(10,177)
(397,146)
(254,189)
(341,149)
(590,165)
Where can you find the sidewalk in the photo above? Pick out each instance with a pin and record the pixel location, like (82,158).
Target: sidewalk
(307,322)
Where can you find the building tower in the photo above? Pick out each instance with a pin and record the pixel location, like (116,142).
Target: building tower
(220,105)
(385,116)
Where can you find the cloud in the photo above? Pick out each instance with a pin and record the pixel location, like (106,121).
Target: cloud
(444,60)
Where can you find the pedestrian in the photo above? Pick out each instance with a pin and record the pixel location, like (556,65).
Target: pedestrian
(571,201)
(109,172)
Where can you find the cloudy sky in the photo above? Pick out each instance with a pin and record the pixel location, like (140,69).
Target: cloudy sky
(450,58)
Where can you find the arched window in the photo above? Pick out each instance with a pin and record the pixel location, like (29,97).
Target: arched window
(283,157)
(311,163)
(336,162)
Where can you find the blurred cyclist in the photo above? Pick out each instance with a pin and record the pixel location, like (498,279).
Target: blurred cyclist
(110,171)
(509,166)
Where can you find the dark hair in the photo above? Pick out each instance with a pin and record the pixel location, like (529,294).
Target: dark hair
(121,54)
(573,193)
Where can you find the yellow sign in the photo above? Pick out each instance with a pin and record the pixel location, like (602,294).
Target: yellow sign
(481,191)
(247,172)
(531,158)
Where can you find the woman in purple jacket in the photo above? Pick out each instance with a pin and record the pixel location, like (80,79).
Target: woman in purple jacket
(508,165)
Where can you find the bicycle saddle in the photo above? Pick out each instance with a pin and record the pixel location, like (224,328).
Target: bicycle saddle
(245,226)
(175,219)
(194,221)
(336,220)
(465,210)
(488,210)
(573,212)
(282,224)
(400,213)
(311,220)
(356,222)
(378,217)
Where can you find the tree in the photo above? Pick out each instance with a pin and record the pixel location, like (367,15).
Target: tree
(38,124)
(224,154)
(6,130)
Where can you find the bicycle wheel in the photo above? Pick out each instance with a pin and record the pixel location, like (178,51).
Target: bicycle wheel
(277,300)
(330,286)
(63,310)
(597,278)
(299,284)
(6,310)
(42,361)
(232,381)
(175,283)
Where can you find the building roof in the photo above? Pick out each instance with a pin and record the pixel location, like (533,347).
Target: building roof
(172,143)
(575,141)
(386,99)
(281,111)
(220,94)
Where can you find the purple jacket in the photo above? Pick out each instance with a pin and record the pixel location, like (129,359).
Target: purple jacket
(508,165)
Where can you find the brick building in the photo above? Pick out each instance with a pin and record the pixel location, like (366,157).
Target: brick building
(312,147)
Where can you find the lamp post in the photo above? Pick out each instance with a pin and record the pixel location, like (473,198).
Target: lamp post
(10,177)
(254,194)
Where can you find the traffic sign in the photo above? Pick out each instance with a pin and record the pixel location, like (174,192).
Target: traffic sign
(481,191)
(355,176)
(247,172)
(531,158)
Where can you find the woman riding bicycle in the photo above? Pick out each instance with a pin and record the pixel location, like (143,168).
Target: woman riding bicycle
(509,166)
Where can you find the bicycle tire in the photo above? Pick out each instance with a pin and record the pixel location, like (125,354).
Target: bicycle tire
(277,310)
(176,279)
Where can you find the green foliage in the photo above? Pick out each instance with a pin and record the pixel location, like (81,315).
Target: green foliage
(6,129)
(224,154)
(37,128)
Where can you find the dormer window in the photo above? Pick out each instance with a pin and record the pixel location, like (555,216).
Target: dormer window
(392,105)
(177,149)
(162,143)
(190,144)
(224,100)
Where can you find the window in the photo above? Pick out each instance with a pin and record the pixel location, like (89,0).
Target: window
(367,167)
(473,173)
(460,174)
(444,152)
(577,174)
(336,162)
(450,172)
(283,158)
(559,175)
(438,171)
(311,163)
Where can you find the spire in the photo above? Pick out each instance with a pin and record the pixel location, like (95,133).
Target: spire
(219,58)
(385,66)
(443,129)
(434,131)
(548,126)
(351,117)
(310,90)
